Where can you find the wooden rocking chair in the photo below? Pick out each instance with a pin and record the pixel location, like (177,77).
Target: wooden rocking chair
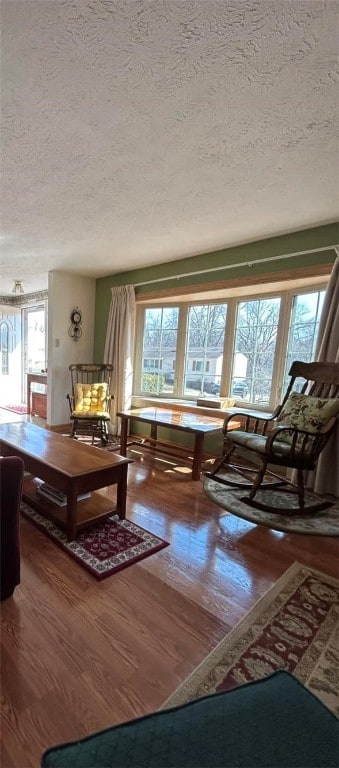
(90,399)
(292,437)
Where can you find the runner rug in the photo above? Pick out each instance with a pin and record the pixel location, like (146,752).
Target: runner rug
(294,627)
(105,548)
(22,409)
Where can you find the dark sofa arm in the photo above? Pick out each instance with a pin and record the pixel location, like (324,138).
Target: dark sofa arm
(11,479)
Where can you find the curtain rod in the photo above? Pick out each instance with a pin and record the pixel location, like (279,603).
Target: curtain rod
(238,264)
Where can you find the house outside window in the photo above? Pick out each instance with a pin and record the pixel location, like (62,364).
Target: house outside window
(239,347)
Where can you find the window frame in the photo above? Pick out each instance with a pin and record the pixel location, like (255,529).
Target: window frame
(183,303)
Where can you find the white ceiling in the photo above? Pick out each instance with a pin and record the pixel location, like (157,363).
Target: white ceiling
(142,131)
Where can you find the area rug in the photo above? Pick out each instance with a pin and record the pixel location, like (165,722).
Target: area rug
(22,409)
(105,548)
(113,442)
(294,627)
(324,523)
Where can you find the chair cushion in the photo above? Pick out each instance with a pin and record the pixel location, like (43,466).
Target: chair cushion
(256,443)
(90,400)
(305,412)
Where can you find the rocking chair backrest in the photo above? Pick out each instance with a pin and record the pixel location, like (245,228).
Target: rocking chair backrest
(320,379)
(90,373)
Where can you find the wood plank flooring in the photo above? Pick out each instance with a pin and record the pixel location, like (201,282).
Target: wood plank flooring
(79,655)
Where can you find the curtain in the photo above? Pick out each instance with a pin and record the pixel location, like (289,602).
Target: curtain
(325,478)
(119,349)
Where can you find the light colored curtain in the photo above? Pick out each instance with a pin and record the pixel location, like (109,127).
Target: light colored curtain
(325,479)
(119,349)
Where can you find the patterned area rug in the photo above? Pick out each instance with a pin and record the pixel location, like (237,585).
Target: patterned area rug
(105,548)
(22,409)
(113,443)
(295,627)
(324,523)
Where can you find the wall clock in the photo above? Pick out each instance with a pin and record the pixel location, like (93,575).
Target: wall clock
(76,316)
(76,320)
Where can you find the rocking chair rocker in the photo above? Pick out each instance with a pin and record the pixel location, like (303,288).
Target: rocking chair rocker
(292,437)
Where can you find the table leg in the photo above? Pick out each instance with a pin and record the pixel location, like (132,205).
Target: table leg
(71,525)
(154,434)
(197,455)
(123,435)
(122,492)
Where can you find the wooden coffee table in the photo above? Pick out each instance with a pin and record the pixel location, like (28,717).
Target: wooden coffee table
(71,467)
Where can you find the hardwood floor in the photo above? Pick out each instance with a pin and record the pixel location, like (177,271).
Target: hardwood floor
(78,655)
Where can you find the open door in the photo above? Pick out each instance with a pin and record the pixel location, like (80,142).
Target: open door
(34,356)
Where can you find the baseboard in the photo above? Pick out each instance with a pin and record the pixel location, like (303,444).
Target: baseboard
(59,427)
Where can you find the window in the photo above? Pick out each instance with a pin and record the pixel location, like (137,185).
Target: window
(205,337)
(254,349)
(159,349)
(151,364)
(240,348)
(4,348)
(303,330)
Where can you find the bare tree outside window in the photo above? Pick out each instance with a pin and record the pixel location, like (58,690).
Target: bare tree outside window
(159,349)
(204,348)
(304,326)
(254,350)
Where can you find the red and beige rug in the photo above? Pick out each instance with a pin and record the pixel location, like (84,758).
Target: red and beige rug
(105,548)
(22,409)
(295,627)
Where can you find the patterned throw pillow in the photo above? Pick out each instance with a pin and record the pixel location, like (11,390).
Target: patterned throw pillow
(90,399)
(305,412)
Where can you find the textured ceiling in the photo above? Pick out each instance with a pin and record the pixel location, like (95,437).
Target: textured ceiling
(141,131)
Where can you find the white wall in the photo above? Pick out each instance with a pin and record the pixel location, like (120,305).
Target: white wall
(66,291)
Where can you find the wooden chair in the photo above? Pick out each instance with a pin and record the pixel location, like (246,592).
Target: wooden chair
(291,437)
(90,399)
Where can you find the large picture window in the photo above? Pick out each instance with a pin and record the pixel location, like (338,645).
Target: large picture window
(240,347)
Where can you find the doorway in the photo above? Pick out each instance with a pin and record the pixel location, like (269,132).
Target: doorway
(34,347)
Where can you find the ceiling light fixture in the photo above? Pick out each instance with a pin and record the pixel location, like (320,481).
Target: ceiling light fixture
(17,287)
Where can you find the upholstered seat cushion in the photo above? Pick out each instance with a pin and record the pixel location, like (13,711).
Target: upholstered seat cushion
(256,443)
(90,401)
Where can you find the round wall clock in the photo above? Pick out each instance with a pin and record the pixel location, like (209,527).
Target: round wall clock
(76,316)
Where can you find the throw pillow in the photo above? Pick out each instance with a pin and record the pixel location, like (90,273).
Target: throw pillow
(90,399)
(304,412)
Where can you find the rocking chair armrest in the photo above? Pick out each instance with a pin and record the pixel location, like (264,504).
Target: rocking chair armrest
(71,402)
(255,421)
(301,440)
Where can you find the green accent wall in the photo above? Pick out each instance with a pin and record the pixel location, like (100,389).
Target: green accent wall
(303,240)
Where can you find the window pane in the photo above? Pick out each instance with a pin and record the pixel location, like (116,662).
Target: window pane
(254,350)
(35,339)
(4,336)
(303,332)
(159,350)
(204,349)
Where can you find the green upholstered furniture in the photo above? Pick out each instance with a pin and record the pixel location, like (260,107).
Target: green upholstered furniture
(273,722)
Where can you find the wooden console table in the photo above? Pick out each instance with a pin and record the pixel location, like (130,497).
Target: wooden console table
(37,378)
(192,423)
(71,467)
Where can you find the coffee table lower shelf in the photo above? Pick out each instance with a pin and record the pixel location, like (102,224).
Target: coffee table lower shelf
(89,511)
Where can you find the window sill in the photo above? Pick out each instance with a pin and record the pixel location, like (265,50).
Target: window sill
(189,407)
